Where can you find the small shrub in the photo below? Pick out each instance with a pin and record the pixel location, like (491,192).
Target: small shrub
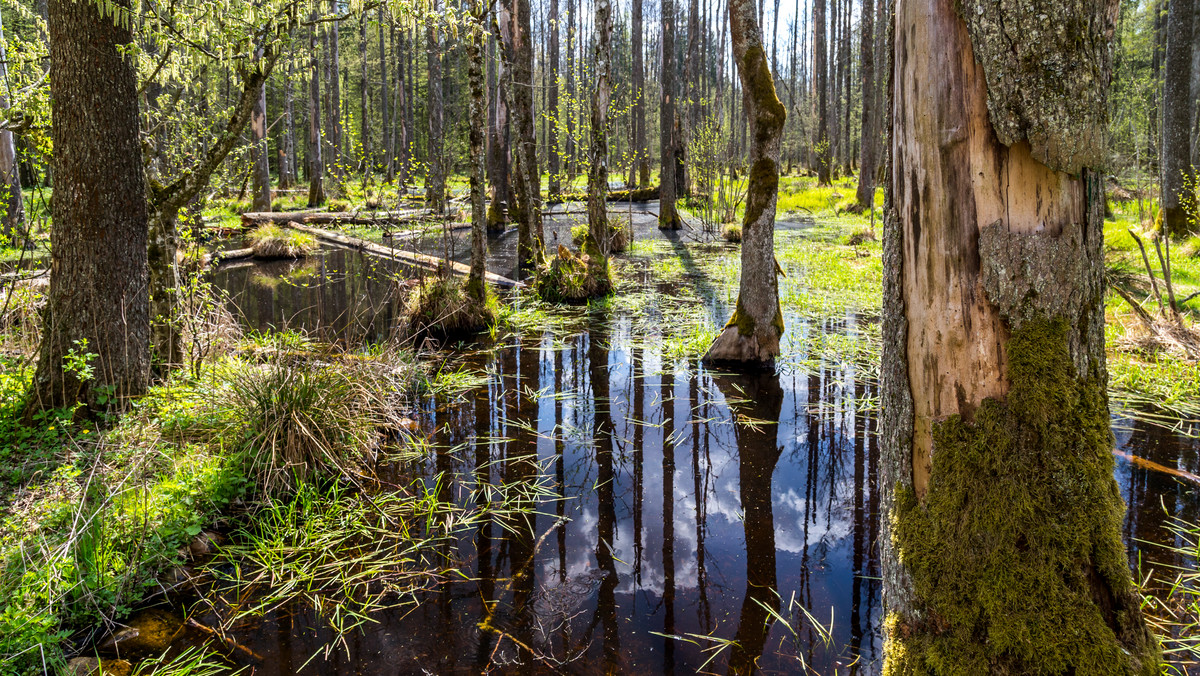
(337,205)
(732,232)
(572,279)
(860,237)
(272,241)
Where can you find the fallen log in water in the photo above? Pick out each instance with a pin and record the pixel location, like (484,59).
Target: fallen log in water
(645,195)
(410,257)
(255,218)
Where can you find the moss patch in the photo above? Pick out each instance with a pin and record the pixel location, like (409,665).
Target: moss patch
(1021,576)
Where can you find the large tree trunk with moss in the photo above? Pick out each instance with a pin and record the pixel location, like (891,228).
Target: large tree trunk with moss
(751,337)
(478,128)
(1002,548)
(599,239)
(668,217)
(435,176)
(316,164)
(98,273)
(1177,170)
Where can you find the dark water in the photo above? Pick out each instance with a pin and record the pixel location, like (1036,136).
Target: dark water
(688,503)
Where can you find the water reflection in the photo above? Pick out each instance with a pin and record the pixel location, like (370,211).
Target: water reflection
(675,502)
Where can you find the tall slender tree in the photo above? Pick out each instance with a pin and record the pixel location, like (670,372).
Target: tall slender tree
(435,176)
(821,82)
(599,240)
(334,81)
(258,148)
(865,195)
(1177,171)
(1002,548)
(98,305)
(668,217)
(316,163)
(476,45)
(11,202)
(751,337)
(641,151)
(555,186)
(499,186)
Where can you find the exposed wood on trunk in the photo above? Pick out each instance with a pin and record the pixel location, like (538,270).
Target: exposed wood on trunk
(431,263)
(993,307)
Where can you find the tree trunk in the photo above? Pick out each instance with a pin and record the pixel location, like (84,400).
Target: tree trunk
(865,196)
(572,40)
(389,147)
(12,221)
(1177,172)
(364,127)
(287,144)
(316,163)
(258,149)
(599,242)
(335,140)
(668,217)
(641,151)
(435,178)
(527,210)
(98,305)
(1002,544)
(751,337)
(478,129)
(498,147)
(820,53)
(555,186)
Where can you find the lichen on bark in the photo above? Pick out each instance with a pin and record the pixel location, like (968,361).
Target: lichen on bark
(1047,64)
(1013,576)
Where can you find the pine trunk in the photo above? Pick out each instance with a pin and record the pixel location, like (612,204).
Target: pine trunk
(335,140)
(820,54)
(555,168)
(641,151)
(993,377)
(99,272)
(751,337)
(865,196)
(258,149)
(499,186)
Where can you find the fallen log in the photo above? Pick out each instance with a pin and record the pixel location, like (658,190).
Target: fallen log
(432,263)
(636,195)
(255,218)
(219,257)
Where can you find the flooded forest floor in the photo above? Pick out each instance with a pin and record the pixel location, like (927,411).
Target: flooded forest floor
(571,493)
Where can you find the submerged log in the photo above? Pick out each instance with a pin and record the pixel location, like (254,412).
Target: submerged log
(256,218)
(636,195)
(409,257)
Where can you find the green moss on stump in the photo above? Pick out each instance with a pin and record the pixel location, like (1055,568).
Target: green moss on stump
(1016,549)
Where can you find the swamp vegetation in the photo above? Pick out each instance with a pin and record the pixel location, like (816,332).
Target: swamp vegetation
(877,354)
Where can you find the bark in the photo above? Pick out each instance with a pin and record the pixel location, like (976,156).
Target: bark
(287,145)
(403,106)
(1177,171)
(599,243)
(751,337)
(822,83)
(572,41)
(499,186)
(993,375)
(478,129)
(555,186)
(435,177)
(386,122)
(641,151)
(668,217)
(258,149)
(335,140)
(98,274)
(865,195)
(691,113)
(316,164)
(527,209)
(12,221)
(364,128)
